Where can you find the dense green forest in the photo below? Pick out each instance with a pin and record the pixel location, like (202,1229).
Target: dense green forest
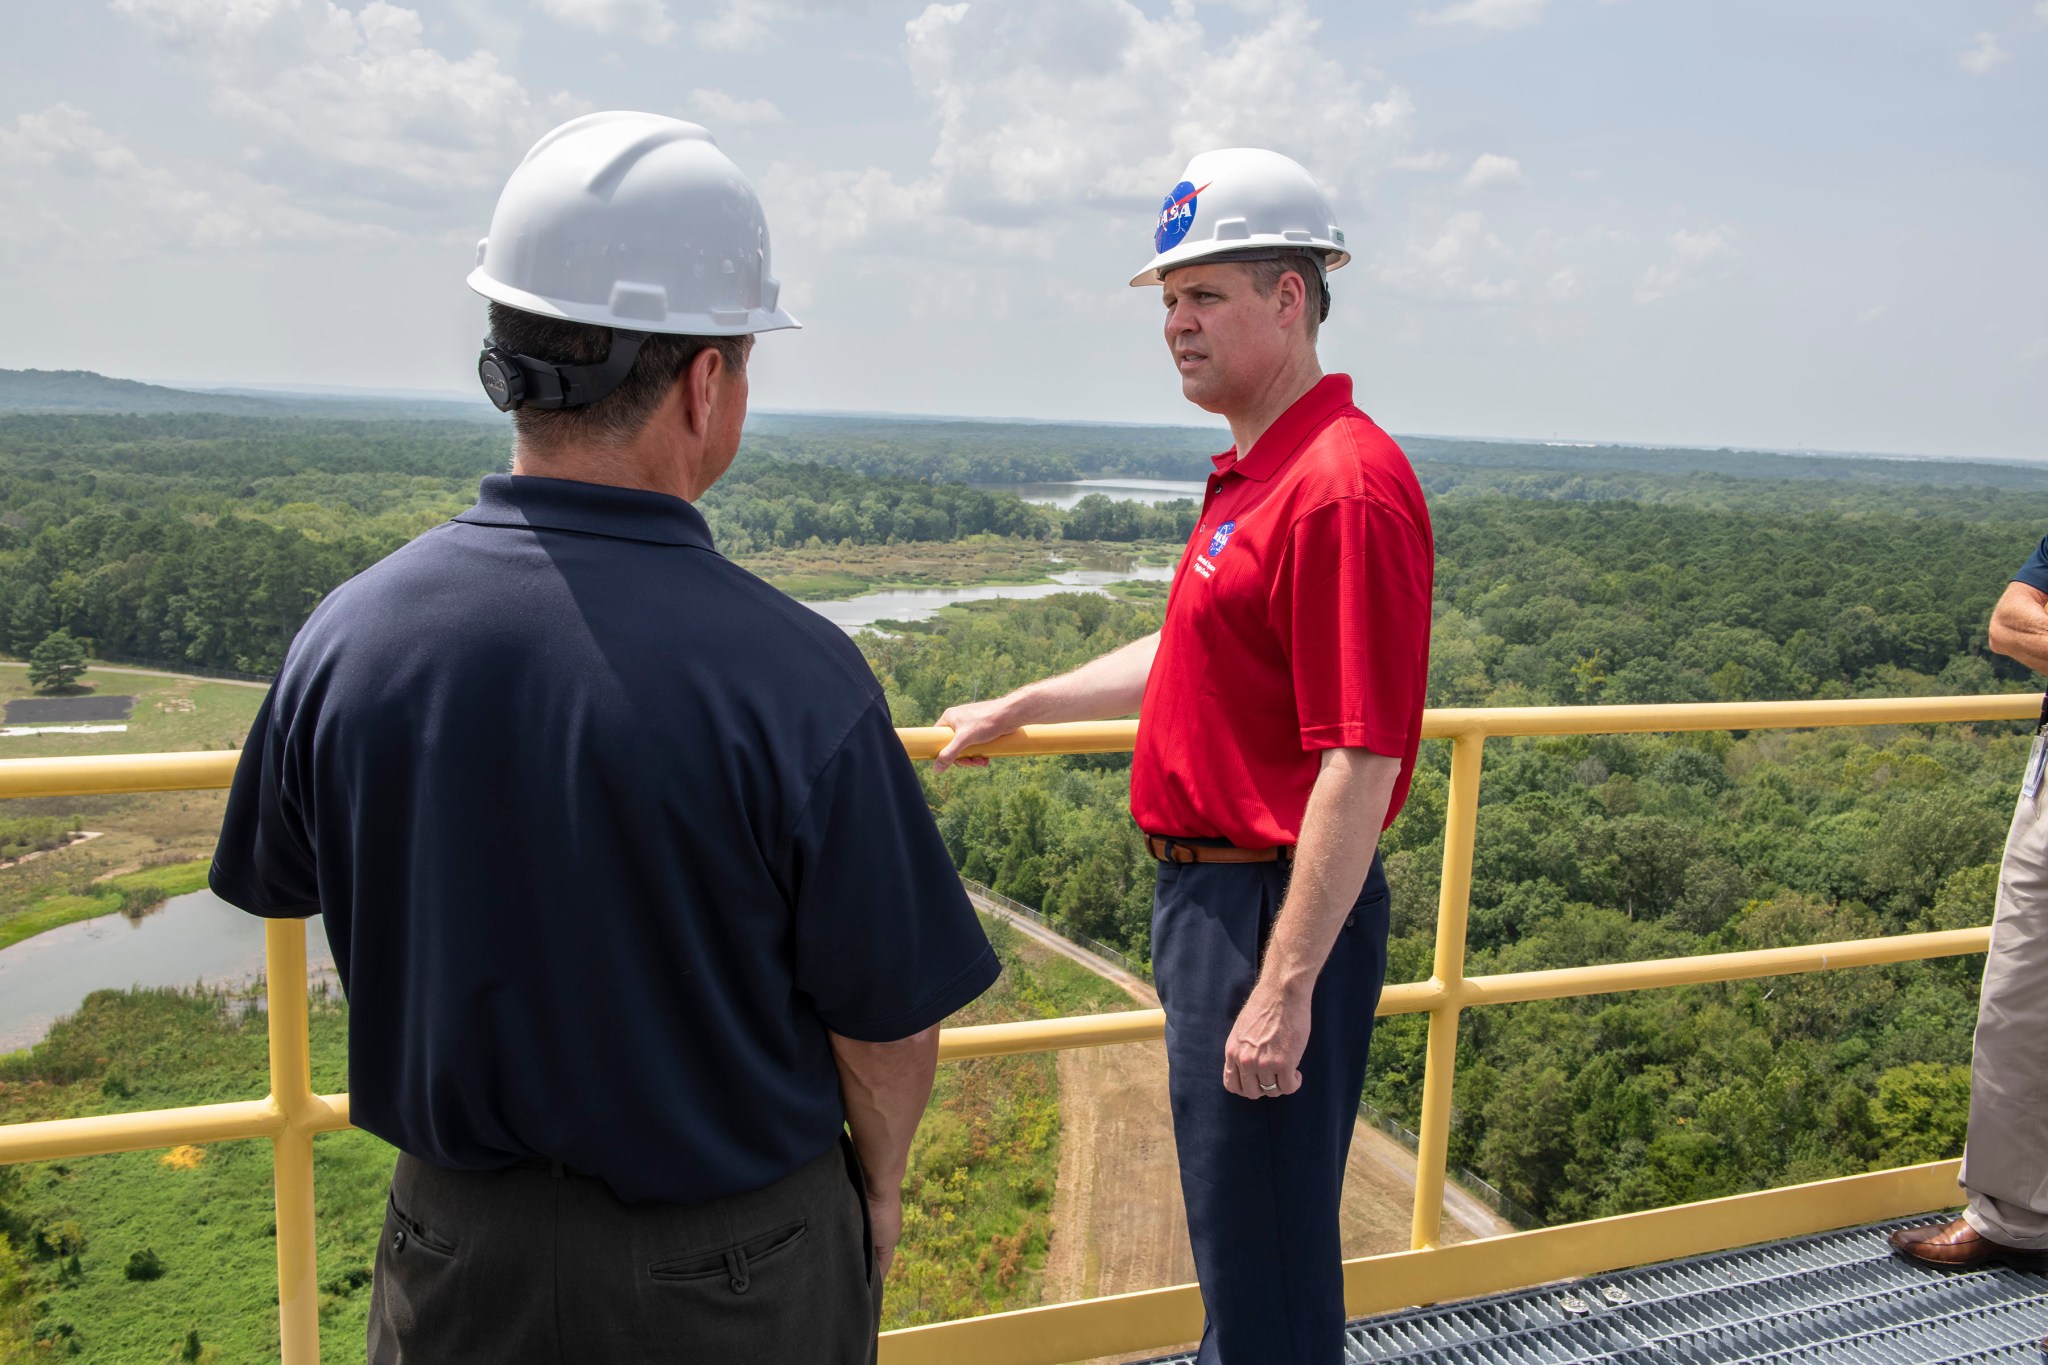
(205,539)
(1564,576)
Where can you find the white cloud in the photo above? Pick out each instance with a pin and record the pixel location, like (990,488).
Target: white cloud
(2041,10)
(1695,256)
(1983,54)
(1564,284)
(1586,176)
(1054,110)
(355,103)
(1453,262)
(1485,13)
(738,26)
(720,110)
(1493,171)
(1870,315)
(755,25)
(1421,161)
(195,21)
(93,195)
(646,20)
(2032,353)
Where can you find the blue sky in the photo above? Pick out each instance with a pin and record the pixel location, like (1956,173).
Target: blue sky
(1790,225)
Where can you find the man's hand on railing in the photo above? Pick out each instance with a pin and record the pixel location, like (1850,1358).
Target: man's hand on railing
(1101,689)
(972,723)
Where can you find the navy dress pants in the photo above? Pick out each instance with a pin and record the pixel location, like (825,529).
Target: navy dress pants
(1262,1178)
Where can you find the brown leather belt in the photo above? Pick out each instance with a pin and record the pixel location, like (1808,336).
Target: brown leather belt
(1179,851)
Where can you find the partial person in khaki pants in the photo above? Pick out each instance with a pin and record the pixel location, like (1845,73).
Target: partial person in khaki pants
(2005,1163)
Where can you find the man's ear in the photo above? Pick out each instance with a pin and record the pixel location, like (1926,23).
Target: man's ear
(1292,295)
(699,381)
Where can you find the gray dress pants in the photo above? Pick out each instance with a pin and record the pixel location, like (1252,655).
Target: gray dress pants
(2005,1163)
(529,1267)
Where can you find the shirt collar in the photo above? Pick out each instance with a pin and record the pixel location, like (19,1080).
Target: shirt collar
(1290,431)
(594,509)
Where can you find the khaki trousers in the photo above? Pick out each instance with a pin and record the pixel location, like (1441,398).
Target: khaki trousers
(2005,1164)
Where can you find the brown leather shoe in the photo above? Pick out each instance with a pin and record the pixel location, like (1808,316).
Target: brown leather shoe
(1954,1246)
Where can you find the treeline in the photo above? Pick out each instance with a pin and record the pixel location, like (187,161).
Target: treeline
(773,504)
(206,540)
(1558,603)
(1100,517)
(985,452)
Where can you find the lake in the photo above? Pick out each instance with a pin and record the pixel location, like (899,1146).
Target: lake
(197,938)
(1065,495)
(918,604)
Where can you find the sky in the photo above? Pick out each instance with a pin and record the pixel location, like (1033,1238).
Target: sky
(1780,223)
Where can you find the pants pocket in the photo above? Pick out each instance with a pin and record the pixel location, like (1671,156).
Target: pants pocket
(735,1265)
(417,1298)
(403,1233)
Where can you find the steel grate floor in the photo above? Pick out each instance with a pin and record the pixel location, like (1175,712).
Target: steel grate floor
(1840,1298)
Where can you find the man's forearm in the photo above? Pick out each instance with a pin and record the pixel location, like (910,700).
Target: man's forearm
(1339,833)
(885,1087)
(1101,689)
(2019,626)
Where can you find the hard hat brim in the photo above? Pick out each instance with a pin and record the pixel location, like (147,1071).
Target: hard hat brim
(1189,253)
(754,320)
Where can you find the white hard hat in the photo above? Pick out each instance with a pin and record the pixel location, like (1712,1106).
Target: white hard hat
(1242,201)
(634,221)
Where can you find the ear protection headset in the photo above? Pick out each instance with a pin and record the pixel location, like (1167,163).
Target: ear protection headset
(512,381)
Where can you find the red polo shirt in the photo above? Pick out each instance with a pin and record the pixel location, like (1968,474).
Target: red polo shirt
(1298,621)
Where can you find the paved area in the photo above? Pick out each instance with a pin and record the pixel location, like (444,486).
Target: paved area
(67,710)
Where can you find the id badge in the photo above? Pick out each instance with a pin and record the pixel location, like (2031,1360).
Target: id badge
(2037,759)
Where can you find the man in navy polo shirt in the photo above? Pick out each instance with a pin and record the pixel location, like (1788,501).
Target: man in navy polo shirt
(633,890)
(1280,710)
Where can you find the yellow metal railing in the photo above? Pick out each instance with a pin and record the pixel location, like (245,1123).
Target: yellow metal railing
(292,1114)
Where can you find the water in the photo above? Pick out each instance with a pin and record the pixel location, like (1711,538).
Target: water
(1065,495)
(918,604)
(194,938)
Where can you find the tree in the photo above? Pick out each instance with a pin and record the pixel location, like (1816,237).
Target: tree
(57,662)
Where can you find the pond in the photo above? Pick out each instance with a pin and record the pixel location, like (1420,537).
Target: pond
(193,939)
(918,604)
(1065,495)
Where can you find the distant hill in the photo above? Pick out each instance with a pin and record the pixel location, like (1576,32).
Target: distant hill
(85,391)
(989,451)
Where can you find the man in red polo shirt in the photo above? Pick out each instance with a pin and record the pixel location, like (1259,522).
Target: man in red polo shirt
(1280,709)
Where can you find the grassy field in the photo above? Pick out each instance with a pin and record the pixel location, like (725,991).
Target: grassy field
(978,1208)
(148,843)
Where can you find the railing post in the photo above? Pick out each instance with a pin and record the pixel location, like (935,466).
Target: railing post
(1432,1154)
(291,1089)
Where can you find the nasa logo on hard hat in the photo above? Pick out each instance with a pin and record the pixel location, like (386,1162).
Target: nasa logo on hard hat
(1176,216)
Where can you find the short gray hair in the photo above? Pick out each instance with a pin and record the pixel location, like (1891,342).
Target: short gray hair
(620,415)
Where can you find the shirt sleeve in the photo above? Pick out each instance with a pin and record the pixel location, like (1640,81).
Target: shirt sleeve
(1351,606)
(2034,573)
(264,860)
(887,943)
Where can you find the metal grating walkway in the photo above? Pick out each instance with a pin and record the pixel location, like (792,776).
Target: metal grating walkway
(1840,1298)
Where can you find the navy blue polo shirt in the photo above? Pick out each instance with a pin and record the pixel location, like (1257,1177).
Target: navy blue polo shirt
(2034,573)
(608,834)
